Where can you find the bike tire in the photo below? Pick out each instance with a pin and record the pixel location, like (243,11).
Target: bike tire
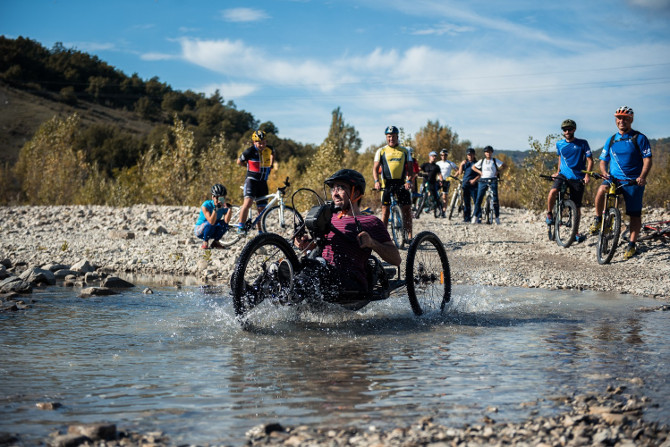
(437,211)
(232,237)
(419,205)
(273,221)
(566,222)
(254,279)
(454,202)
(427,274)
(488,210)
(608,238)
(397,227)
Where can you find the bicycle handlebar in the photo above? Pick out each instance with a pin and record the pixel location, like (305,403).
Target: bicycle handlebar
(615,180)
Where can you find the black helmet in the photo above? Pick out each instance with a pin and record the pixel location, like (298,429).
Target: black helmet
(444,151)
(219,190)
(470,151)
(488,149)
(391,129)
(568,124)
(349,176)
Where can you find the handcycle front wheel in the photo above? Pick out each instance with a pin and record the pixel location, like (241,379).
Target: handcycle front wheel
(566,222)
(608,238)
(281,223)
(427,274)
(264,270)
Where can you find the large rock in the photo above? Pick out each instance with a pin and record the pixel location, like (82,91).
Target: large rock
(96,291)
(15,284)
(83,266)
(64,273)
(3,272)
(38,276)
(116,282)
(94,431)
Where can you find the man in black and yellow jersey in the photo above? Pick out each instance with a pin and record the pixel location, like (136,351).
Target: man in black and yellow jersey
(393,171)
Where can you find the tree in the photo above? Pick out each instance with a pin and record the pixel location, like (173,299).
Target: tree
(343,136)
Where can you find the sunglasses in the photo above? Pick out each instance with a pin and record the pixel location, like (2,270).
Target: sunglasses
(336,188)
(570,129)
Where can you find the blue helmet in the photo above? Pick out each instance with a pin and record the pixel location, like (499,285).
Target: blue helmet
(391,130)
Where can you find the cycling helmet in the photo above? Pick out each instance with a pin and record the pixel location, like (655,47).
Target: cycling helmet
(349,176)
(488,149)
(391,129)
(471,151)
(444,151)
(432,154)
(624,111)
(219,190)
(259,135)
(568,124)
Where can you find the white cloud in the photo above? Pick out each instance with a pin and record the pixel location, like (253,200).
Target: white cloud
(244,15)
(230,90)
(443,28)
(157,57)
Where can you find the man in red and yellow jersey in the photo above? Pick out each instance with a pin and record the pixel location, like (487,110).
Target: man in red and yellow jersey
(393,163)
(258,159)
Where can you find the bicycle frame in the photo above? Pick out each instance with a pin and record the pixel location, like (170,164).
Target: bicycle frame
(277,196)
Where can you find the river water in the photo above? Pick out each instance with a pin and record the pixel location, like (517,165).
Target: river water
(176,361)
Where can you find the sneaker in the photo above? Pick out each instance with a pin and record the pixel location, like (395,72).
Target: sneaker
(595,226)
(240,229)
(632,251)
(549,219)
(497,220)
(204,246)
(579,238)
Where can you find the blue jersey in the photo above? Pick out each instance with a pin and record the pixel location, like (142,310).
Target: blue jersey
(573,157)
(624,158)
(209,205)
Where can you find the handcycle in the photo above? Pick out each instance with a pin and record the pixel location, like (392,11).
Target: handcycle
(566,218)
(428,202)
(399,233)
(610,223)
(456,203)
(276,217)
(268,265)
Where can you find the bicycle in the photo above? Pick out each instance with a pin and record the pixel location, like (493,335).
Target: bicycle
(398,231)
(280,219)
(456,199)
(566,218)
(650,231)
(610,223)
(268,264)
(429,201)
(488,209)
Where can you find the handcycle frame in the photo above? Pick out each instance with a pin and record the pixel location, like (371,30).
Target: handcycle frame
(284,227)
(571,221)
(610,222)
(268,264)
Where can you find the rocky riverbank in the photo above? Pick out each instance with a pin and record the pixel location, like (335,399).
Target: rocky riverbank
(154,240)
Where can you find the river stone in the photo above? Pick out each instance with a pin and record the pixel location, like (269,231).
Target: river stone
(116,282)
(15,284)
(64,273)
(121,234)
(6,262)
(55,267)
(3,272)
(67,440)
(38,276)
(96,291)
(94,431)
(91,276)
(83,266)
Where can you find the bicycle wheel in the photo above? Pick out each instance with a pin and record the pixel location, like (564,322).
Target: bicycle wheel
(437,211)
(551,230)
(397,227)
(609,235)
(280,222)
(566,223)
(231,236)
(488,210)
(427,274)
(264,271)
(419,205)
(456,202)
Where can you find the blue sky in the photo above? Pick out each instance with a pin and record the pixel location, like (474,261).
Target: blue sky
(496,72)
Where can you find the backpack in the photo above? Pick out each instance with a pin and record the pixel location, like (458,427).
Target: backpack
(633,136)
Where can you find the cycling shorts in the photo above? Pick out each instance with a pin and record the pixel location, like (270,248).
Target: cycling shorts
(256,188)
(396,187)
(632,195)
(576,188)
(445,187)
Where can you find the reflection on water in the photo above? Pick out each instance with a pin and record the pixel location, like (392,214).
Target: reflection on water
(178,362)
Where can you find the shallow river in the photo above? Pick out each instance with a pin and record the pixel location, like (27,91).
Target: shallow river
(177,361)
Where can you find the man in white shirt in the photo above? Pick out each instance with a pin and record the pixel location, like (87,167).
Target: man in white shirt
(489,169)
(446,167)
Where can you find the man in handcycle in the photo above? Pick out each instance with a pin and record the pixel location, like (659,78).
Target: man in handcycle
(341,273)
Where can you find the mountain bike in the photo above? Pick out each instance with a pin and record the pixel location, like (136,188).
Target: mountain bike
(268,265)
(566,220)
(276,217)
(428,202)
(610,223)
(487,206)
(398,231)
(456,203)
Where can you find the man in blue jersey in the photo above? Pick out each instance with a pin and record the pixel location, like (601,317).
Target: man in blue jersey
(574,156)
(628,155)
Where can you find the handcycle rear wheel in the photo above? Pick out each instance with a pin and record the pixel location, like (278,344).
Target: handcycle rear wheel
(608,238)
(427,274)
(273,222)
(264,270)
(566,221)
(397,227)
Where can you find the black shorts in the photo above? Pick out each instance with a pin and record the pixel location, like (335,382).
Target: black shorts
(445,187)
(576,188)
(397,188)
(256,188)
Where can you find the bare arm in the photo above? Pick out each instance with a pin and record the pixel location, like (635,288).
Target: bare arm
(387,250)
(589,166)
(209,215)
(646,167)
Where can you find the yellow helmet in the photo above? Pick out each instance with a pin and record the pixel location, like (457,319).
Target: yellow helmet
(259,135)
